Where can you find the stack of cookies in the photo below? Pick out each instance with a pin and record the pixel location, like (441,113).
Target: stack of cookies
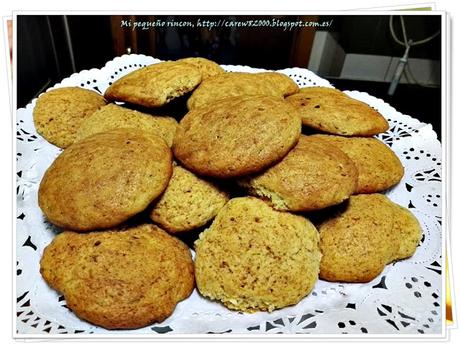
(233,169)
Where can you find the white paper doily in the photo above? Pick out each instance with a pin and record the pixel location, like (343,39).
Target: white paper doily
(405,298)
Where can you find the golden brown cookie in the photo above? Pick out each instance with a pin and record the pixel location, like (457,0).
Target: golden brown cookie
(234,84)
(378,166)
(255,258)
(155,85)
(332,111)
(409,230)
(113,116)
(105,179)
(207,67)
(369,233)
(122,278)
(59,113)
(236,136)
(312,176)
(188,202)
(283,83)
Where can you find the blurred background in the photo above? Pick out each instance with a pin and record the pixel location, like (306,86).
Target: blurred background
(364,53)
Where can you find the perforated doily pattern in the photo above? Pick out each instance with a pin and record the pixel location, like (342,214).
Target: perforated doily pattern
(405,298)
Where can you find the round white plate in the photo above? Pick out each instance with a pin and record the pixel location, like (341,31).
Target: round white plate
(405,298)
